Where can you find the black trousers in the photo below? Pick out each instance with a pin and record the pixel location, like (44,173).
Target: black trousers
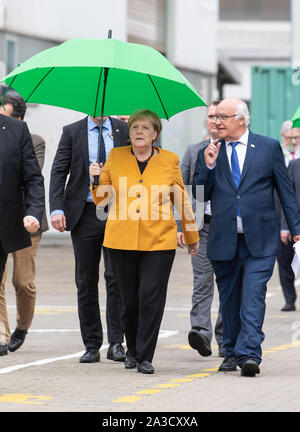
(143,279)
(3,258)
(286,274)
(87,238)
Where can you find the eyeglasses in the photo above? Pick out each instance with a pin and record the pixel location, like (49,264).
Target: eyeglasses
(222,117)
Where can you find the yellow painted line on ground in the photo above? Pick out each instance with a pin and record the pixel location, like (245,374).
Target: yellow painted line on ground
(200,375)
(23,398)
(192,377)
(181,380)
(168,385)
(182,315)
(149,391)
(128,399)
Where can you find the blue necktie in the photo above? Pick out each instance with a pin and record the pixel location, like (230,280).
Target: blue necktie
(102,155)
(235,169)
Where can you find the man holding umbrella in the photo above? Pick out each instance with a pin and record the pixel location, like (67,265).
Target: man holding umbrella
(72,209)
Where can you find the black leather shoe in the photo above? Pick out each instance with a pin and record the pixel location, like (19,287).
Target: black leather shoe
(289,307)
(116,352)
(90,357)
(130,362)
(3,349)
(228,365)
(145,367)
(16,339)
(200,343)
(250,368)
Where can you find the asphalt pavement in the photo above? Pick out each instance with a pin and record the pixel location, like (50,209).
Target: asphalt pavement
(44,375)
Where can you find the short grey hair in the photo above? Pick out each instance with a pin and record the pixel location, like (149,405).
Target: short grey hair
(242,111)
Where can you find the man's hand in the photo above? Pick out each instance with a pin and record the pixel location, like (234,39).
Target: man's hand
(285,237)
(193,248)
(31,224)
(211,153)
(59,222)
(296,237)
(180,240)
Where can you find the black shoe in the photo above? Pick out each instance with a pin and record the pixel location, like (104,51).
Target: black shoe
(289,307)
(116,352)
(130,362)
(250,368)
(228,365)
(145,367)
(16,339)
(200,343)
(221,351)
(90,356)
(3,349)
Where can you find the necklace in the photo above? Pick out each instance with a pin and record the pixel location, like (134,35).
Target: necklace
(146,160)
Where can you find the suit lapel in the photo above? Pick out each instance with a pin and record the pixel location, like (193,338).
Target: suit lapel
(115,133)
(250,153)
(3,144)
(224,161)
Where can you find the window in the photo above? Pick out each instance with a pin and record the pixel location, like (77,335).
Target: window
(256,10)
(10,56)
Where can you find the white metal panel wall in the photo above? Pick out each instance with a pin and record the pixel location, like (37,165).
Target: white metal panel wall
(60,20)
(146,22)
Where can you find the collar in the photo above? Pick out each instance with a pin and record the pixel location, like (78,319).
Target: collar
(243,140)
(91,125)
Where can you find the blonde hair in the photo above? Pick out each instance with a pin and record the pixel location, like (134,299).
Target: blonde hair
(149,115)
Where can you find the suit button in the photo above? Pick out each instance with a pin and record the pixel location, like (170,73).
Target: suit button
(141,181)
(137,211)
(238,197)
(139,195)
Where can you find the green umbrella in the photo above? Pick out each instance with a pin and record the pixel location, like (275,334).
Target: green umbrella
(296,118)
(72,75)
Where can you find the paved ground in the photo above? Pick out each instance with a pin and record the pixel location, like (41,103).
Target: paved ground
(45,375)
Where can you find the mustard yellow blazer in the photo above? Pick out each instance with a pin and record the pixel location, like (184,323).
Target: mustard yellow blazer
(141,216)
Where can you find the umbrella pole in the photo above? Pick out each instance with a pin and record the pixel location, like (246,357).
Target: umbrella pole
(96,178)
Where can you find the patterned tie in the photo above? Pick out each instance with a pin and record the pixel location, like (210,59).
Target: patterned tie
(102,154)
(235,169)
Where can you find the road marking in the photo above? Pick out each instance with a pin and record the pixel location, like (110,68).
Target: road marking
(192,377)
(162,335)
(23,398)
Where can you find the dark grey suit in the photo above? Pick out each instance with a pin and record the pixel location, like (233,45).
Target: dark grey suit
(203,291)
(286,253)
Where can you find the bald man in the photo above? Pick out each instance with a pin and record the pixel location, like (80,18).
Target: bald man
(239,173)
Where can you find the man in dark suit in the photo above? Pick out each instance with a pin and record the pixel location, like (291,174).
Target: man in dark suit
(21,191)
(239,175)
(286,239)
(73,209)
(200,335)
(24,259)
(291,151)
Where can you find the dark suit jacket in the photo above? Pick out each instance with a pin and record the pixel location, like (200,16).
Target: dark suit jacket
(21,184)
(264,169)
(72,157)
(187,167)
(294,173)
(39,147)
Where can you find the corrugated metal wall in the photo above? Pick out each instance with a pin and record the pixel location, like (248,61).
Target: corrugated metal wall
(146,23)
(275,98)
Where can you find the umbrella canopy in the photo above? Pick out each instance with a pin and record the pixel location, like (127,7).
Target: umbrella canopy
(296,118)
(71,75)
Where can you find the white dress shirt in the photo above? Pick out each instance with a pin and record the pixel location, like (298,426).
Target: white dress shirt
(241,149)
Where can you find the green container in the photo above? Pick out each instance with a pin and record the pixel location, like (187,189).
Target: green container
(275,98)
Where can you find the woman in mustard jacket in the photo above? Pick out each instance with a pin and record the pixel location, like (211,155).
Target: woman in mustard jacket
(144,182)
